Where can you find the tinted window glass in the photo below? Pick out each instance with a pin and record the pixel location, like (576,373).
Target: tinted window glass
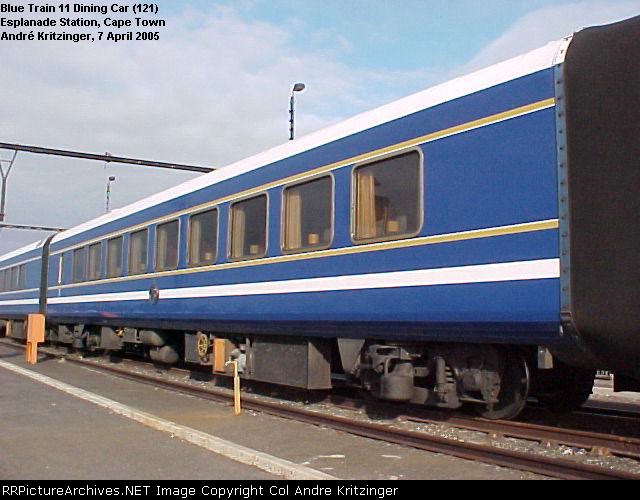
(79,264)
(388,198)
(307,215)
(138,252)
(15,278)
(22,277)
(95,255)
(167,236)
(249,228)
(114,257)
(203,238)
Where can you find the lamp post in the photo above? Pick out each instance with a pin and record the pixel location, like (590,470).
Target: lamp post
(112,178)
(298,87)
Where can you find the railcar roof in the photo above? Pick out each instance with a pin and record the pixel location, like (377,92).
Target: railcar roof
(20,251)
(545,57)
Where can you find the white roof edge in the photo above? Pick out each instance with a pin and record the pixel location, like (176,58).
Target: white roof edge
(545,57)
(20,251)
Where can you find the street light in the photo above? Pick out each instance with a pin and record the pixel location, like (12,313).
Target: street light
(298,87)
(112,178)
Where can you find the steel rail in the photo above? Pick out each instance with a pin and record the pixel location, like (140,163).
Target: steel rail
(531,462)
(601,444)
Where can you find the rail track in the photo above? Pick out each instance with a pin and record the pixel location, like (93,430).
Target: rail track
(599,443)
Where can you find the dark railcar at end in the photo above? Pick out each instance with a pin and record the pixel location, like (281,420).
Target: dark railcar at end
(602,73)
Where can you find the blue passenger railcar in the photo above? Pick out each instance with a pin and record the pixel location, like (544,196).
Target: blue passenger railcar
(20,274)
(432,250)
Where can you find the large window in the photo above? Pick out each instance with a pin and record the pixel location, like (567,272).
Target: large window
(388,198)
(15,278)
(79,264)
(167,237)
(3,286)
(307,215)
(249,228)
(138,252)
(22,277)
(114,257)
(95,256)
(203,238)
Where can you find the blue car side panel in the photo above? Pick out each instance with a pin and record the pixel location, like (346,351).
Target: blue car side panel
(496,175)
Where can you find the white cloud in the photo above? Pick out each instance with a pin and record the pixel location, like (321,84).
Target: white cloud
(547,24)
(214,89)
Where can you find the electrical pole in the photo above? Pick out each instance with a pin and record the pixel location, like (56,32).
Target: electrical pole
(5,178)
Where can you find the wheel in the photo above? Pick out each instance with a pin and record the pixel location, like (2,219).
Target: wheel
(514,389)
(564,389)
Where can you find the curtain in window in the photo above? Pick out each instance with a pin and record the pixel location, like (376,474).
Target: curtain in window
(239,230)
(94,262)
(114,257)
(365,205)
(293,230)
(162,248)
(139,253)
(196,241)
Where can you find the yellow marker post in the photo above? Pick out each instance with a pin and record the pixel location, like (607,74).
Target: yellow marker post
(237,410)
(35,335)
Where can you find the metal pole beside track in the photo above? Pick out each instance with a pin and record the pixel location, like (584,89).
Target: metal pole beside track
(5,179)
(237,409)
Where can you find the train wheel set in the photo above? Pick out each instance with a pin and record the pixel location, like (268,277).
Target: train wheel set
(495,381)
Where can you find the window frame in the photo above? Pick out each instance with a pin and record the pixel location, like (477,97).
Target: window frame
(130,239)
(22,276)
(421,207)
(156,267)
(89,247)
(68,256)
(122,256)
(307,249)
(14,280)
(74,252)
(230,228)
(215,209)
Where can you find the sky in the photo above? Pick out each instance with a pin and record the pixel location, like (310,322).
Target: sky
(215,88)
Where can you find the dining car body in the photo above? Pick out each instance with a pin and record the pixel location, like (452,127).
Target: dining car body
(474,243)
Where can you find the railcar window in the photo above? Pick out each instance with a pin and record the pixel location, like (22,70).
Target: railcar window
(203,238)
(66,259)
(79,265)
(249,228)
(95,256)
(307,223)
(22,277)
(7,280)
(167,237)
(138,252)
(114,257)
(2,287)
(388,198)
(15,278)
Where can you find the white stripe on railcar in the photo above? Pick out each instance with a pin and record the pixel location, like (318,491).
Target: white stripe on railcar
(485,273)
